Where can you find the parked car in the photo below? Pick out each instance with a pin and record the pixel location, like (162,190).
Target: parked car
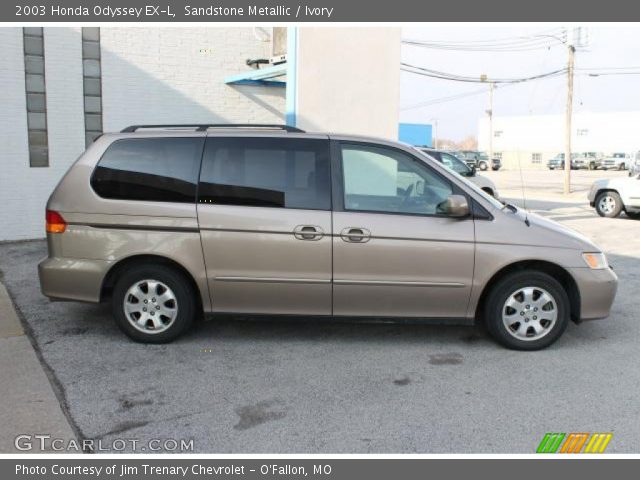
(617,161)
(588,161)
(483,162)
(634,165)
(479,160)
(610,197)
(461,168)
(557,162)
(468,156)
(168,223)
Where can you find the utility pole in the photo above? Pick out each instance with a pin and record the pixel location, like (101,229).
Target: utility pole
(490,113)
(567,131)
(435,133)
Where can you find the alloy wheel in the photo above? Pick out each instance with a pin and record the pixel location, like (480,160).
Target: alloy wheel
(529,313)
(607,204)
(150,306)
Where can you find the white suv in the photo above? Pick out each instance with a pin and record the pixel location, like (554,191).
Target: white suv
(611,196)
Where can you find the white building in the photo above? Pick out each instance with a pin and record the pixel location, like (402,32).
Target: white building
(61,87)
(532,140)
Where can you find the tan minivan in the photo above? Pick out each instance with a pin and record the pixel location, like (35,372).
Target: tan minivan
(170,222)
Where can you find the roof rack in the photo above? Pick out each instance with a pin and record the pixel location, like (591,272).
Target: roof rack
(202,127)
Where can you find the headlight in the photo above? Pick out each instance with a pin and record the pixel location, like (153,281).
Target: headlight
(595,261)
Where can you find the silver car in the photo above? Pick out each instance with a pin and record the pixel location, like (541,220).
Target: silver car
(171,222)
(461,168)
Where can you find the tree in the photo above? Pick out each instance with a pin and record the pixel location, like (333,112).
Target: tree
(468,143)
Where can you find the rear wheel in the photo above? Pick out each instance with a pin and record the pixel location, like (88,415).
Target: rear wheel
(527,310)
(608,204)
(153,303)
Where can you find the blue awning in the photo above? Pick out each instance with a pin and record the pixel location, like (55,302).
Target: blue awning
(260,76)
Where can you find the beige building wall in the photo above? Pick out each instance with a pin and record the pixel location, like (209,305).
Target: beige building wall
(349,80)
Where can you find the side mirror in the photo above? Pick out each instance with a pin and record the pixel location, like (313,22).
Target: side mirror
(455,206)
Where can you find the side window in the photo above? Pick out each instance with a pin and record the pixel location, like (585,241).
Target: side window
(151,169)
(379,179)
(266,172)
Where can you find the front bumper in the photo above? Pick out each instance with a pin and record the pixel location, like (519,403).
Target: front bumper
(597,291)
(72,279)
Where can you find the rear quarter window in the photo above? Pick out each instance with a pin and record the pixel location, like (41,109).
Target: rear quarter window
(150,169)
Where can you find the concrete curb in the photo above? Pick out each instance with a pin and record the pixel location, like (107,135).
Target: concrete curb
(28,404)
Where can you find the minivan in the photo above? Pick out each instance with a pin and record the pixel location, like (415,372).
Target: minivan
(168,223)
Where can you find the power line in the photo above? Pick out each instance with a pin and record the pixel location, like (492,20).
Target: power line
(417,70)
(450,98)
(453,98)
(542,40)
(558,31)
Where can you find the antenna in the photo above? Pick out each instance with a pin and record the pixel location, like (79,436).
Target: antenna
(524,197)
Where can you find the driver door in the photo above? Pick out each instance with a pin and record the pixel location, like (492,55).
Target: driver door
(395,254)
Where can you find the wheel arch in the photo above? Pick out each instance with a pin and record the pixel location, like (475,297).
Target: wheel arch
(605,189)
(556,271)
(123,264)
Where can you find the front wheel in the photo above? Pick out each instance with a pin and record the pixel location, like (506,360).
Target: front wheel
(153,303)
(483,166)
(608,204)
(527,310)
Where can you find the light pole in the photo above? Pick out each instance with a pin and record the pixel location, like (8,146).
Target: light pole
(490,112)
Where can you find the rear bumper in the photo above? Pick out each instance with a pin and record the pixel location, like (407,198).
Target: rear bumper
(597,291)
(72,279)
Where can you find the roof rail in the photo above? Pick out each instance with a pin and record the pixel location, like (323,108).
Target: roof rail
(202,127)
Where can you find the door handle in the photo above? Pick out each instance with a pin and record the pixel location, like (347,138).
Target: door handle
(308,232)
(355,235)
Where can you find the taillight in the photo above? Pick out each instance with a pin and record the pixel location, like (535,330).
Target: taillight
(55,222)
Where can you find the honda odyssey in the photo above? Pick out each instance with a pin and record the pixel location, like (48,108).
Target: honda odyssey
(170,222)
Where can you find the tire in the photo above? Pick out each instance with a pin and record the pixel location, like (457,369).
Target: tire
(483,166)
(622,166)
(521,289)
(633,215)
(608,204)
(175,315)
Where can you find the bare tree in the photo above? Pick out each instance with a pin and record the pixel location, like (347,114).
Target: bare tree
(468,143)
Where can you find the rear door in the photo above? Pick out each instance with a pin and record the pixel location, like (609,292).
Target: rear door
(395,253)
(264,210)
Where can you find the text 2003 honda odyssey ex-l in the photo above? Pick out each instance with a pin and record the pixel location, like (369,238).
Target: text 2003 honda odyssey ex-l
(169,222)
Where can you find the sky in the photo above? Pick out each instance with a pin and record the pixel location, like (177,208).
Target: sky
(611,49)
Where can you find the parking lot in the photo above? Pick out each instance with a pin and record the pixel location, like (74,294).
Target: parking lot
(294,386)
